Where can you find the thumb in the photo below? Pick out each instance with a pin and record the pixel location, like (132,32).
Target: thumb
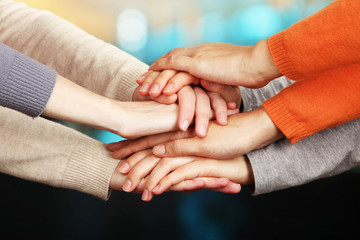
(177,148)
(212,86)
(177,62)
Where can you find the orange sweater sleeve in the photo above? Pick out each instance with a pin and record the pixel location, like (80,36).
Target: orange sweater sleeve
(317,103)
(327,40)
(321,54)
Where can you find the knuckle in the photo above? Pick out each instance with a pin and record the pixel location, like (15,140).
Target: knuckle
(175,146)
(177,135)
(172,59)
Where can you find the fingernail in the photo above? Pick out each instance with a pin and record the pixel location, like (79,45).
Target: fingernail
(202,130)
(145,195)
(144,87)
(140,79)
(159,150)
(127,186)
(168,87)
(156,188)
(223,118)
(185,125)
(154,88)
(124,167)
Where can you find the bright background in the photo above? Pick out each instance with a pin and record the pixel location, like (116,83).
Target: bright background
(147,29)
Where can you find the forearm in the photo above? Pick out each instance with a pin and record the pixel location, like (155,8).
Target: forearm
(318,103)
(73,53)
(71,102)
(282,165)
(59,157)
(327,153)
(324,41)
(25,85)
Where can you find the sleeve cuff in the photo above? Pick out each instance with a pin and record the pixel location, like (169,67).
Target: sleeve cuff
(280,57)
(27,84)
(90,177)
(284,120)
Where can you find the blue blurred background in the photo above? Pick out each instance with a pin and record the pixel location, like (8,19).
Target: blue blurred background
(149,29)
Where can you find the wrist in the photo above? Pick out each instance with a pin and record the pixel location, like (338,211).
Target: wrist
(245,175)
(267,70)
(268,131)
(111,116)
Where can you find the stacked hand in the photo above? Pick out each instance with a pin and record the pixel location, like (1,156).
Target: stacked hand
(212,154)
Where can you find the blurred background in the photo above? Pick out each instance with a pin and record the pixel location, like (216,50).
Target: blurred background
(148,29)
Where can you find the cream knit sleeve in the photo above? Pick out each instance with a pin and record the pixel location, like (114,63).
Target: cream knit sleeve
(73,53)
(43,151)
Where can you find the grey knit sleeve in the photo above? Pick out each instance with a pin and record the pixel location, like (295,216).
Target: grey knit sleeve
(283,165)
(25,84)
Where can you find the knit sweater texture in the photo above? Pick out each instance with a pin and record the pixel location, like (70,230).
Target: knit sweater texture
(25,84)
(50,152)
(321,54)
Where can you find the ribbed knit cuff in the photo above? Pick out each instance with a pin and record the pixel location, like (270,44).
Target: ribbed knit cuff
(126,88)
(90,169)
(26,85)
(281,58)
(284,120)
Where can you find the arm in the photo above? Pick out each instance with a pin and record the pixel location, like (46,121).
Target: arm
(59,157)
(317,103)
(76,55)
(278,166)
(74,103)
(282,165)
(324,41)
(25,85)
(327,153)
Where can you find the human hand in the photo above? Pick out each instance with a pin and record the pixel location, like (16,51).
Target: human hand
(193,102)
(216,184)
(172,171)
(243,133)
(248,66)
(147,170)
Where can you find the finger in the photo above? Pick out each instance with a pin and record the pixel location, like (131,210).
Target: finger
(192,185)
(180,147)
(228,92)
(166,99)
(212,86)
(145,87)
(174,62)
(187,100)
(231,188)
(126,148)
(222,185)
(142,78)
(126,165)
(219,105)
(139,171)
(232,111)
(231,168)
(157,84)
(163,168)
(185,51)
(180,80)
(117,145)
(231,105)
(203,168)
(202,112)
